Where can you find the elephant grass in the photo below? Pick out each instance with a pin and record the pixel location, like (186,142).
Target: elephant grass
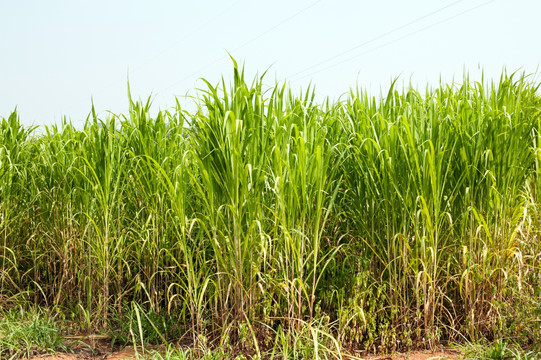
(404,221)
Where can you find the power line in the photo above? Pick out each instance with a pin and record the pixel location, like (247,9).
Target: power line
(198,71)
(173,44)
(196,30)
(374,39)
(396,40)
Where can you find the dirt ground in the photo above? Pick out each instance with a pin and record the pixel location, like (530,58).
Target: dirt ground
(129,354)
(419,355)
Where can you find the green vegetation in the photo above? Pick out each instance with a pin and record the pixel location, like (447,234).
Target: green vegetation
(269,225)
(499,350)
(26,332)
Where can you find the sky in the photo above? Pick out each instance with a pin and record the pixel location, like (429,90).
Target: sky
(58,56)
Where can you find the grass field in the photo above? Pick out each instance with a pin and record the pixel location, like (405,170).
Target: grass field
(269,225)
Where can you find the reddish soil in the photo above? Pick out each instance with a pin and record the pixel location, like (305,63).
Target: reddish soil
(129,354)
(422,355)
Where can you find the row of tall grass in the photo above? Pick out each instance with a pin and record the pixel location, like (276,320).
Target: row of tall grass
(265,218)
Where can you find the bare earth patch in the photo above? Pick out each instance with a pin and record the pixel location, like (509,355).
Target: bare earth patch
(427,356)
(128,353)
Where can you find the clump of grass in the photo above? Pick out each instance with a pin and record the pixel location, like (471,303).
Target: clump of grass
(499,350)
(139,326)
(172,353)
(29,332)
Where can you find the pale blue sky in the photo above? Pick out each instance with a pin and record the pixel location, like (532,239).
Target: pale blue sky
(57,54)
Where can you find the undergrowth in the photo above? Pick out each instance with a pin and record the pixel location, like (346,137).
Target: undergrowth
(28,332)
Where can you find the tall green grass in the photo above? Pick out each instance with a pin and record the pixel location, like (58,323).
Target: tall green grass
(377,223)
